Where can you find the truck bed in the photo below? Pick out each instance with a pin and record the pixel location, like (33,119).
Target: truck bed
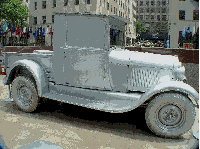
(41,57)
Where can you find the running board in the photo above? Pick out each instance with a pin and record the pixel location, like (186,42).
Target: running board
(109,104)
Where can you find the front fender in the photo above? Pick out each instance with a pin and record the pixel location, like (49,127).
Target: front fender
(37,72)
(177,86)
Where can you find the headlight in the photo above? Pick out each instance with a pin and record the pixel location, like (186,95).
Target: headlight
(177,64)
(185,80)
(179,73)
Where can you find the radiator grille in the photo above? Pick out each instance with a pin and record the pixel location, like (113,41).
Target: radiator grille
(143,77)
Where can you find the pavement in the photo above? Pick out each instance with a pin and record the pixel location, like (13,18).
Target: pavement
(74,127)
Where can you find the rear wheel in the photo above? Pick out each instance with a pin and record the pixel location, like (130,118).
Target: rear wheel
(25,94)
(170,115)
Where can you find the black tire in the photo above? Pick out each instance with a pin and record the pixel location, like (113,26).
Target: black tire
(170,115)
(24,94)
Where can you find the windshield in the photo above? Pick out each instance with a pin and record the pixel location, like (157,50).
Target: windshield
(117,38)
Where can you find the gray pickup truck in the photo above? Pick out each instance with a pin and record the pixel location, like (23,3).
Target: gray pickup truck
(90,67)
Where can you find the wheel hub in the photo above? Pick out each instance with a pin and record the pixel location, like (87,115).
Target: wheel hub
(170,115)
(25,96)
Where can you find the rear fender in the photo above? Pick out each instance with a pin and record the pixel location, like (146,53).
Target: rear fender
(36,71)
(176,86)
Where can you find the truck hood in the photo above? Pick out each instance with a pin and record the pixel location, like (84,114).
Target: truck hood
(142,59)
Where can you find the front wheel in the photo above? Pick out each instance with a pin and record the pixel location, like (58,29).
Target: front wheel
(170,115)
(25,94)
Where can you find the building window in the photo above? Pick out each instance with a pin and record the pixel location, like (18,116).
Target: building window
(164,2)
(44,5)
(53,3)
(35,5)
(52,18)
(34,20)
(123,5)
(196,15)
(43,19)
(141,17)
(107,6)
(87,1)
(158,10)
(111,8)
(119,13)
(147,17)
(65,2)
(147,10)
(152,10)
(141,3)
(158,17)
(180,37)
(76,2)
(152,3)
(114,10)
(158,3)
(153,25)
(163,10)
(141,10)
(164,17)
(147,3)
(137,3)
(181,0)
(181,14)
(163,27)
(104,4)
(152,17)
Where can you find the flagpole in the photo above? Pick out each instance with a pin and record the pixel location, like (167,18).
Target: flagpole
(11,35)
(51,35)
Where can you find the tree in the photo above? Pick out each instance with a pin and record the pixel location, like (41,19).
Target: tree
(140,28)
(2,12)
(14,12)
(166,28)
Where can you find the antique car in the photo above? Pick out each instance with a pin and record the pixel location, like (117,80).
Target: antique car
(90,67)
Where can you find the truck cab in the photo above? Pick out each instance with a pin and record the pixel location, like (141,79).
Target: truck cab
(82,47)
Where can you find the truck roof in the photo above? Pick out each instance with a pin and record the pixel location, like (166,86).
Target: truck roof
(125,21)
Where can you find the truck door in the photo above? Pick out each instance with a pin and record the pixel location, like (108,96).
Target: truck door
(85,55)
